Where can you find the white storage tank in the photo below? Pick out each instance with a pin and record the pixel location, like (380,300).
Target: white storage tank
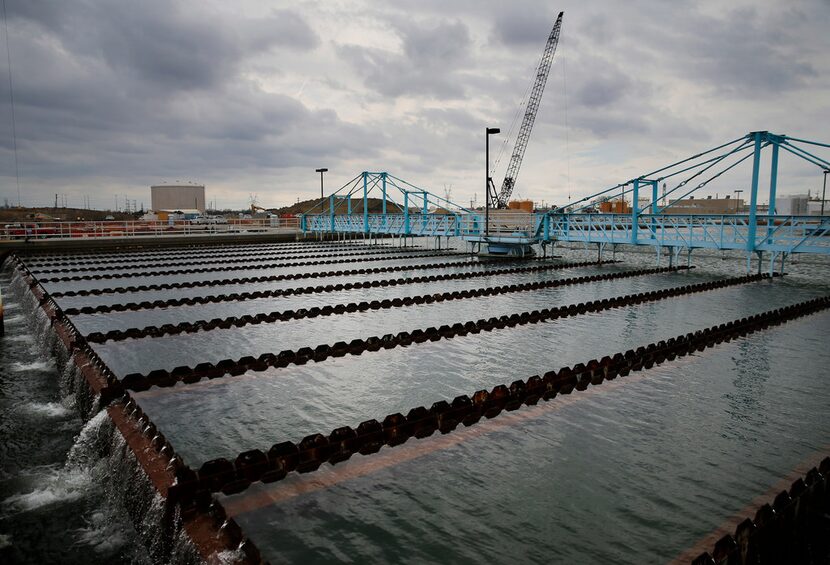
(178,197)
(793,205)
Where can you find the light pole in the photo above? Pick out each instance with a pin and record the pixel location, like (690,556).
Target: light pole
(823,190)
(737,193)
(489,132)
(321,171)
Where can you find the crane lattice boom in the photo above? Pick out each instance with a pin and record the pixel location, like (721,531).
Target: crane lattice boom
(523,137)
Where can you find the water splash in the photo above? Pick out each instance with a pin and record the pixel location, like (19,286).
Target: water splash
(183,550)
(92,443)
(227,557)
(54,486)
(50,409)
(73,480)
(20,338)
(38,366)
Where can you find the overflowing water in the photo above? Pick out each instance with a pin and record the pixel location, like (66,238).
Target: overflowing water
(53,467)
(634,471)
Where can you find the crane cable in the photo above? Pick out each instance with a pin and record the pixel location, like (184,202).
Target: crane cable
(519,112)
(562,58)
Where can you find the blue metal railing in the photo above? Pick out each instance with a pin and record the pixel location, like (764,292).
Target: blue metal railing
(787,234)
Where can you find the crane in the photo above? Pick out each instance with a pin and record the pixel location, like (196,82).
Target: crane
(500,200)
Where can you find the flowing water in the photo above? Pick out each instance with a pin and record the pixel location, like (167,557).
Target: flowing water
(633,471)
(54,505)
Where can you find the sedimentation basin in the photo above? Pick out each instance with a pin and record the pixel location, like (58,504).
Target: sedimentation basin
(326,402)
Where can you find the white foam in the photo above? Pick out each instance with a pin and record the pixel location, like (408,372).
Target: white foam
(48,409)
(28,338)
(5,541)
(227,556)
(72,481)
(19,367)
(104,533)
(14,319)
(58,486)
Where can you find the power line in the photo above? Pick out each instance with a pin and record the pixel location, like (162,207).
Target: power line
(11,97)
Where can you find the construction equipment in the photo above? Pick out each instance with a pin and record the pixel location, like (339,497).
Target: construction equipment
(500,200)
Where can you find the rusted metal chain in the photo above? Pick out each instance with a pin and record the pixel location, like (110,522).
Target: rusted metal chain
(236,297)
(234,476)
(269,278)
(793,529)
(362,259)
(210,261)
(261,249)
(299,314)
(230,367)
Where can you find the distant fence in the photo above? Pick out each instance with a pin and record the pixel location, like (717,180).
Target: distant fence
(21,231)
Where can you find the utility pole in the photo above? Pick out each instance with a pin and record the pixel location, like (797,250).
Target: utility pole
(824,190)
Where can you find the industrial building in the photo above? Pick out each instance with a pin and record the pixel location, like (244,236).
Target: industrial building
(174,197)
(706,205)
(800,205)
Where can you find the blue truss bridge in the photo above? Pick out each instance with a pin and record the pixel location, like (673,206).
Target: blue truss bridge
(410,211)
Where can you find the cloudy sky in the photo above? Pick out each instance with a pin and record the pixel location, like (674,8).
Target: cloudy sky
(251,96)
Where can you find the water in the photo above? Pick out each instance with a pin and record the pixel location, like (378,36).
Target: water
(632,474)
(53,502)
(633,471)
(124,320)
(65,286)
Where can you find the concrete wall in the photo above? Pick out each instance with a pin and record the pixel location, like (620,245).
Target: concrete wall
(177,197)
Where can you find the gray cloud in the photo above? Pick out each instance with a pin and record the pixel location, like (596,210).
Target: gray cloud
(431,56)
(117,95)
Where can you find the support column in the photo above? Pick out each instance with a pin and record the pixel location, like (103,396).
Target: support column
(365,202)
(773,179)
(752,228)
(406,213)
(424,216)
(654,207)
(635,211)
(773,186)
(383,179)
(654,196)
(331,213)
